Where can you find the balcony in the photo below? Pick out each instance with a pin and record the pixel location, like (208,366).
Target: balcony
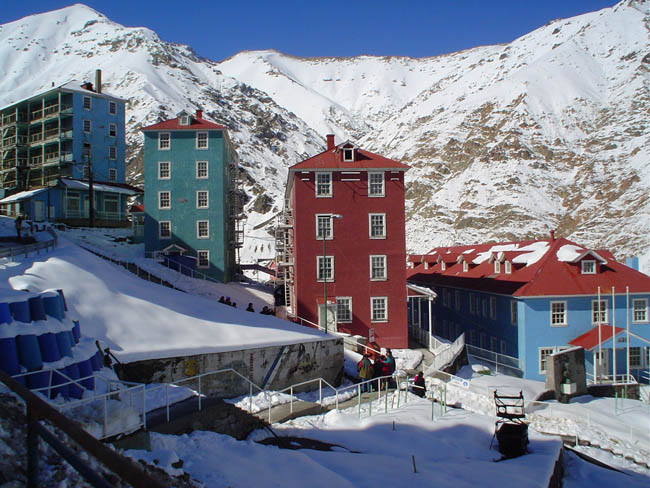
(14,118)
(49,112)
(16,140)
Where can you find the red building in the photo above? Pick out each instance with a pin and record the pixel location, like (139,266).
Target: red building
(341,241)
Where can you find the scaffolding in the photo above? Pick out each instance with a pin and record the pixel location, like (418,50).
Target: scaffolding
(284,254)
(236,217)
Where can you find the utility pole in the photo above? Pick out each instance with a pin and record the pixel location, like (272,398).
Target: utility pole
(91,197)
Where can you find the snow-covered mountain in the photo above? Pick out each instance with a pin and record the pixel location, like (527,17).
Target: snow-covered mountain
(507,141)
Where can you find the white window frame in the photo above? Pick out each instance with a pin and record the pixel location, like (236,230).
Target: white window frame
(349,150)
(161,170)
(184,120)
(508,267)
(497,267)
(373,310)
(382,192)
(588,266)
(89,102)
(635,352)
(329,235)
(344,303)
(164,143)
(644,310)
(199,170)
(161,197)
(199,234)
(383,226)
(493,308)
(112,130)
(326,187)
(112,153)
(199,193)
(543,354)
(161,224)
(200,139)
(328,263)
(555,315)
(112,108)
(514,313)
(206,257)
(465,266)
(382,267)
(87,126)
(602,314)
(112,174)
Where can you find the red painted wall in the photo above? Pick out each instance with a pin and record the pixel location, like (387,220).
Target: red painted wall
(351,248)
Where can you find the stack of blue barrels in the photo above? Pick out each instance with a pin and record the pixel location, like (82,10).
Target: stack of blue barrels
(37,337)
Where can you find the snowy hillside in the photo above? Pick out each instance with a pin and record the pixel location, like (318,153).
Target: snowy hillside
(505,142)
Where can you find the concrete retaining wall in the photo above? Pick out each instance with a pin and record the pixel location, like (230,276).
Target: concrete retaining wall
(271,368)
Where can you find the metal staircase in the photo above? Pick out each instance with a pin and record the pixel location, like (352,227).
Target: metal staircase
(284,254)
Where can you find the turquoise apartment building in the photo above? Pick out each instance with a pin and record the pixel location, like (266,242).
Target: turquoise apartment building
(192,205)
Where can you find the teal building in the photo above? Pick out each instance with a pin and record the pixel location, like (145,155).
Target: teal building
(192,204)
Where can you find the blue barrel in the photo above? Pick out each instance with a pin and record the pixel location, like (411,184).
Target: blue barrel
(53,306)
(20,311)
(65,305)
(63,390)
(76,331)
(29,352)
(49,348)
(9,356)
(63,341)
(72,371)
(97,361)
(86,369)
(5,313)
(36,308)
(38,380)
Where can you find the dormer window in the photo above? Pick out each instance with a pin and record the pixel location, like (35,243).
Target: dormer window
(508,267)
(465,266)
(443,266)
(588,267)
(497,266)
(184,120)
(348,154)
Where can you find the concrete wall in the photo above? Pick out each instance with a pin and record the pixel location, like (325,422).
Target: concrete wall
(271,368)
(566,366)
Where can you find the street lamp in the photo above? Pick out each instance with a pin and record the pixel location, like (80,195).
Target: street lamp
(332,217)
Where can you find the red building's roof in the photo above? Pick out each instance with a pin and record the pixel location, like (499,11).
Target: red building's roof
(137,208)
(196,123)
(589,340)
(539,268)
(332,158)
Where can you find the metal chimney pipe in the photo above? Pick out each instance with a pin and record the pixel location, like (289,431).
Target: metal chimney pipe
(98,80)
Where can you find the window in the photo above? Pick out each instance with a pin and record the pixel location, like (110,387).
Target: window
(203,259)
(493,309)
(112,108)
(599,312)
(324,227)
(87,126)
(164,170)
(588,267)
(85,152)
(640,310)
(457,300)
(504,348)
(164,199)
(377,223)
(472,337)
(348,154)
(446,298)
(544,353)
(112,130)
(376,184)
(86,170)
(485,307)
(513,312)
(325,268)
(377,267)
(323,184)
(497,267)
(72,202)
(201,169)
(483,340)
(635,357)
(112,152)
(508,267)
(378,309)
(202,199)
(558,314)
(493,344)
(112,174)
(111,204)
(472,303)
(201,140)
(164,230)
(344,309)
(465,266)
(184,120)
(443,266)
(87,103)
(202,229)
(164,143)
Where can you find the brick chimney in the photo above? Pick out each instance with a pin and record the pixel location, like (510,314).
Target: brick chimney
(330,141)
(199,114)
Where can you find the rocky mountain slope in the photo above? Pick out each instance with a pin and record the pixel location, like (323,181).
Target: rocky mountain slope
(507,141)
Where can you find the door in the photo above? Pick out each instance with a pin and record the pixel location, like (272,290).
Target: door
(601,368)
(331,317)
(39,211)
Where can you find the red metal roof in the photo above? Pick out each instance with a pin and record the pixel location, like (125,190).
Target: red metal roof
(333,159)
(196,123)
(137,207)
(589,340)
(540,268)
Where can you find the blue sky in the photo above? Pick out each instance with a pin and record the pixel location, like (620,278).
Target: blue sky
(218,29)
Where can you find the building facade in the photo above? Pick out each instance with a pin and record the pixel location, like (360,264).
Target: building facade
(193,203)
(527,300)
(64,135)
(341,244)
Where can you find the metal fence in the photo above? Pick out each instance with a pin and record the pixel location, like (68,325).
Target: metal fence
(506,364)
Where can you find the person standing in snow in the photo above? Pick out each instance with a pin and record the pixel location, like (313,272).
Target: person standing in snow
(390,361)
(250,307)
(364,368)
(19,225)
(419,387)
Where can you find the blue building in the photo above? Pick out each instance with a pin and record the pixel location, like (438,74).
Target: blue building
(519,302)
(193,205)
(54,144)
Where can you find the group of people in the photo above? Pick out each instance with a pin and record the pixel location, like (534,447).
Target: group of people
(383,365)
(265,310)
(226,301)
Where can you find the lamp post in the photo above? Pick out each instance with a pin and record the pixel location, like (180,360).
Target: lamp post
(332,217)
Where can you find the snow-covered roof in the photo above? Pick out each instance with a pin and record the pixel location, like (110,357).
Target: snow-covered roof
(23,195)
(83,185)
